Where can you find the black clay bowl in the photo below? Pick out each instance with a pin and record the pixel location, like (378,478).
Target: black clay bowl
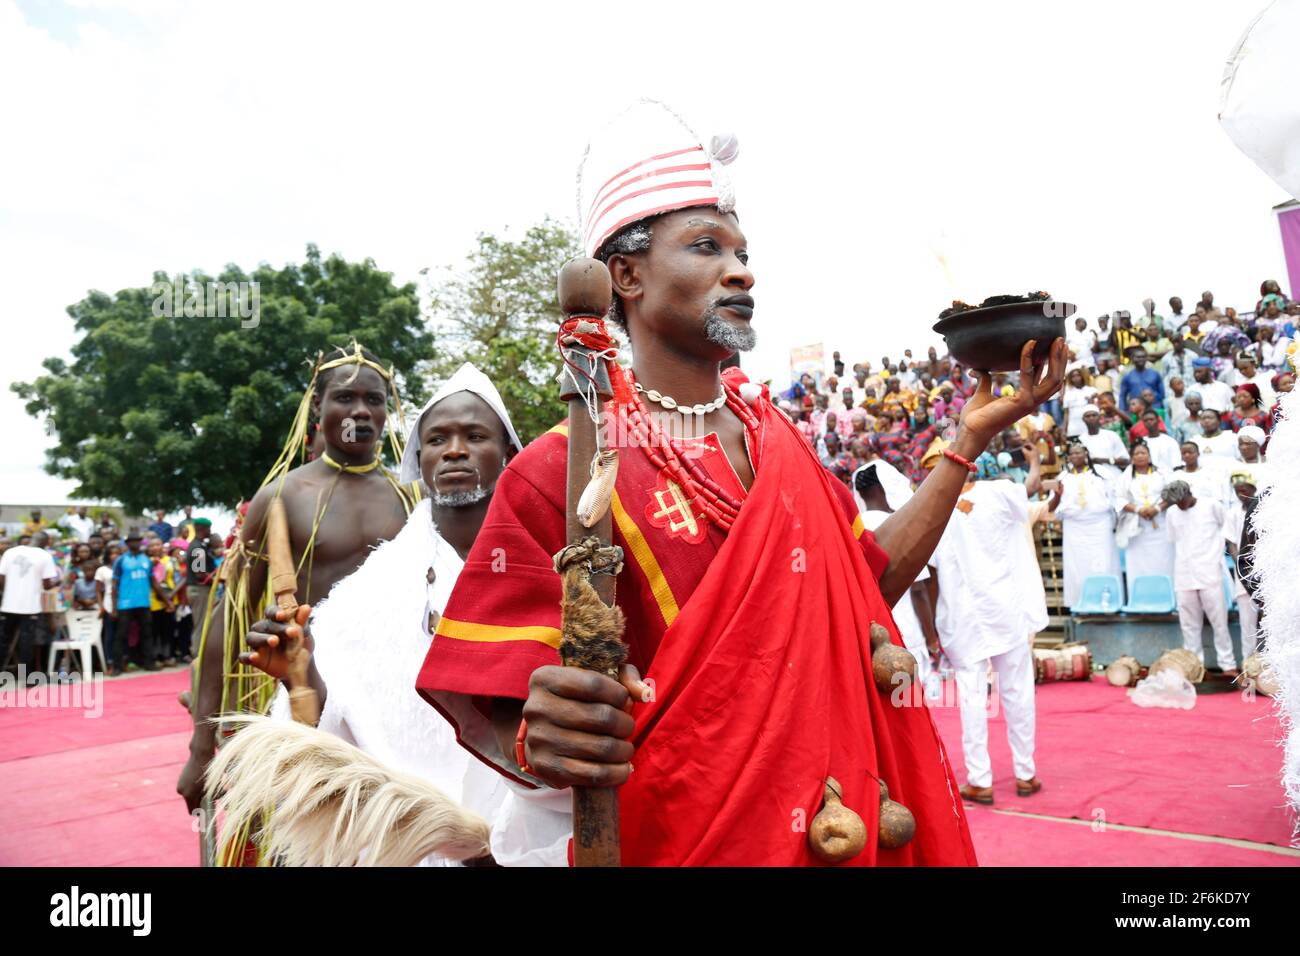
(990,339)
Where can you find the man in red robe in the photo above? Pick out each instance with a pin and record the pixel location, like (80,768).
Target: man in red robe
(750,620)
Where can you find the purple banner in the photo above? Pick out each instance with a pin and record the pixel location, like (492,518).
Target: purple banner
(1289,222)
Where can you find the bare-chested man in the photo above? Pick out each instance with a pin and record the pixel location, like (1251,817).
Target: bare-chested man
(361,505)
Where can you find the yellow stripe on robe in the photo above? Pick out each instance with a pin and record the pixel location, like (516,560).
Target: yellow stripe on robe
(560,429)
(495,633)
(646,560)
(858,527)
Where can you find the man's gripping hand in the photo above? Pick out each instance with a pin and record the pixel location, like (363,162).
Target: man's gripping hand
(281,645)
(578,725)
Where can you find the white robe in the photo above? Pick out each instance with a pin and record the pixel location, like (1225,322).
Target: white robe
(991,600)
(1210,480)
(372,637)
(1145,542)
(1104,444)
(1165,453)
(1087,538)
(990,587)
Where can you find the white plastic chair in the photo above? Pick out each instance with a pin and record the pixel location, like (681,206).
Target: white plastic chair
(84,635)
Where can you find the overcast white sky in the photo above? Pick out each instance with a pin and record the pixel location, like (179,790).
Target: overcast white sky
(1063,146)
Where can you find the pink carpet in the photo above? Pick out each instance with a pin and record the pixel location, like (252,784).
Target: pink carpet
(97,790)
(1211,770)
(100,791)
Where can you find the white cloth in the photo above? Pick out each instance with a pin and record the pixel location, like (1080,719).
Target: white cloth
(1197,534)
(467,379)
(1145,541)
(1196,604)
(1210,480)
(1165,453)
(1080,343)
(81,527)
(1104,444)
(1087,532)
(990,586)
(1223,445)
(1215,395)
(371,635)
(1258,107)
(25,569)
(1013,672)
(648,161)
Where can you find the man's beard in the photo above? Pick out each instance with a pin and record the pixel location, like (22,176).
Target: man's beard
(462,499)
(721,332)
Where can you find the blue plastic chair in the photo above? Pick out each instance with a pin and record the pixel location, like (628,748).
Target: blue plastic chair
(1151,594)
(1090,598)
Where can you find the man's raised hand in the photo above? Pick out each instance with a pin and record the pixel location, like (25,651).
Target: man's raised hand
(985,416)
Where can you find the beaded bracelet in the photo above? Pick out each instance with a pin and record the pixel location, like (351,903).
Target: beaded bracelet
(953,456)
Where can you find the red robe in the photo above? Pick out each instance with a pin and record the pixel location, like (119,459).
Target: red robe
(760,658)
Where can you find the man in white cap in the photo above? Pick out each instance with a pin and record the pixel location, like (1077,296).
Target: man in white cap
(1105,447)
(372,632)
(748,585)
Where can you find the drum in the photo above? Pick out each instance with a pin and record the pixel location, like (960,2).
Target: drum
(1124,671)
(1183,661)
(1067,662)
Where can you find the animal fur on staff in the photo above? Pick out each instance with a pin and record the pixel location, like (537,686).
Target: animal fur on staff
(319,801)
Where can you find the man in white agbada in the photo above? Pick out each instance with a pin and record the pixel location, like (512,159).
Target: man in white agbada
(1105,447)
(372,632)
(1196,526)
(879,490)
(991,603)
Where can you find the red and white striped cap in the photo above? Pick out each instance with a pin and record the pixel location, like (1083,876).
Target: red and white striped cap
(647,161)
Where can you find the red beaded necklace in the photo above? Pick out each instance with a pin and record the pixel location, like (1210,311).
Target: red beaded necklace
(708,500)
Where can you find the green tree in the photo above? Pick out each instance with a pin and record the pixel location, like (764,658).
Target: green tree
(500,312)
(164,410)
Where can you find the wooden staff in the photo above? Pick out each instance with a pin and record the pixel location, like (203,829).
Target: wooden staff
(584,290)
(282,573)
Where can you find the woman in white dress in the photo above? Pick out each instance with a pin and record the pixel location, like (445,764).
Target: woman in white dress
(1141,532)
(1083,503)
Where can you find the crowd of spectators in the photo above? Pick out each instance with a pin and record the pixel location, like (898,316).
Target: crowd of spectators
(146,587)
(1183,401)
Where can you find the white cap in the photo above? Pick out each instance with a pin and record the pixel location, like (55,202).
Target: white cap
(467,379)
(647,161)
